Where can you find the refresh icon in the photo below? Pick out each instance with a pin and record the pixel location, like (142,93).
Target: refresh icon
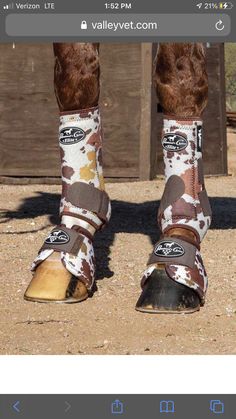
(219,25)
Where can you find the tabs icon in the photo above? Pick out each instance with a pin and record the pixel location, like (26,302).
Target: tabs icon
(217,406)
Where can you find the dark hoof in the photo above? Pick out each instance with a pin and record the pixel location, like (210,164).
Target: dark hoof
(162,294)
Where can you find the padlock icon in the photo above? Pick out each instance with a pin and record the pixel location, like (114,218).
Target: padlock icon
(84,24)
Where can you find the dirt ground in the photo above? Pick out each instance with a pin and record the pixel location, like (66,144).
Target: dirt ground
(107,323)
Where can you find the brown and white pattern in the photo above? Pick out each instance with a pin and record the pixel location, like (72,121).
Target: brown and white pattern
(195,278)
(80,139)
(82,161)
(189,209)
(184,202)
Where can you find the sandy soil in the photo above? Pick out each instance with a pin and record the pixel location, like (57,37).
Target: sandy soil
(108,323)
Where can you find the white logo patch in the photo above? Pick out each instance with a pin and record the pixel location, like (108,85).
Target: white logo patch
(169,249)
(71,135)
(174,142)
(57,237)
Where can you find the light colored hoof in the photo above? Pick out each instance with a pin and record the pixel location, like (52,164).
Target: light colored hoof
(52,282)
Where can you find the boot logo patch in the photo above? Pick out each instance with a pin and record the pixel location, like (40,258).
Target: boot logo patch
(169,249)
(71,135)
(174,142)
(57,237)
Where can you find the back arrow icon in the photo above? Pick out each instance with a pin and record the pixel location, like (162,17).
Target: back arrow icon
(16,406)
(68,406)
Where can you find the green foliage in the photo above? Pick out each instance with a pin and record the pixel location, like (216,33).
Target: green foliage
(230,75)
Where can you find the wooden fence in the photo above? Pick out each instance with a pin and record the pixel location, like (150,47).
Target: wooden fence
(131,117)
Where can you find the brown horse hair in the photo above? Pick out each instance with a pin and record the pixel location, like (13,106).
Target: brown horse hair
(180,79)
(76,75)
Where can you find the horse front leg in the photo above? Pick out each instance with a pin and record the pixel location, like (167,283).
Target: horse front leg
(175,280)
(64,270)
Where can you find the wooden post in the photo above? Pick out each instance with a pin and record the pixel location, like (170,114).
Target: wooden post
(223,117)
(148,131)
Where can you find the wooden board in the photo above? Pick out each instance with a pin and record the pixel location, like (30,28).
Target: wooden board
(132,126)
(148,117)
(214,135)
(120,100)
(29,113)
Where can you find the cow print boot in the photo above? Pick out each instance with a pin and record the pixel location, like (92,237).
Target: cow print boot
(64,270)
(175,280)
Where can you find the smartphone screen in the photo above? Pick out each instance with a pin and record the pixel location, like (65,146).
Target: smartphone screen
(118,209)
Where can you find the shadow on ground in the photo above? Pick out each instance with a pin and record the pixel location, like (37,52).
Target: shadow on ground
(127,217)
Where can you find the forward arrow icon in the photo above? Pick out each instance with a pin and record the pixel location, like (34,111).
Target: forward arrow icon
(68,406)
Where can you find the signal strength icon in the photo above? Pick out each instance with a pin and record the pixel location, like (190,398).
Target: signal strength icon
(8,6)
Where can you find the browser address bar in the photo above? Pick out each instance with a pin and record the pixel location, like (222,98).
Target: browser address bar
(117,25)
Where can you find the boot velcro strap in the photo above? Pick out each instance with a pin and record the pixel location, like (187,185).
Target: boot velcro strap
(173,251)
(63,239)
(88,197)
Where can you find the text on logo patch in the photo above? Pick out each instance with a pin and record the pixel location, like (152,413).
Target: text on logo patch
(57,237)
(169,249)
(71,135)
(174,142)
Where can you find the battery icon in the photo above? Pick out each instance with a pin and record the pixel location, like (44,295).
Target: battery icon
(226,5)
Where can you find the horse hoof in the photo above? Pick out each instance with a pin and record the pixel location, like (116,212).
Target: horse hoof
(52,283)
(162,294)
